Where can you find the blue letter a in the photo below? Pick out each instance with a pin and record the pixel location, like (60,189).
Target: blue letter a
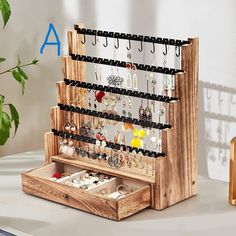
(46,42)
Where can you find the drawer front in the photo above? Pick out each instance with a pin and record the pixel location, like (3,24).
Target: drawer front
(84,200)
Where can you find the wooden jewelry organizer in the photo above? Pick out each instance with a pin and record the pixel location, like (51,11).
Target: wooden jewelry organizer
(170,176)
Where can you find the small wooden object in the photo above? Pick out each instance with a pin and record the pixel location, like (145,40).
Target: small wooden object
(232,173)
(169,180)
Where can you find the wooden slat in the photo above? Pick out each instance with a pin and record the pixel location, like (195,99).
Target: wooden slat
(50,146)
(104,169)
(232,172)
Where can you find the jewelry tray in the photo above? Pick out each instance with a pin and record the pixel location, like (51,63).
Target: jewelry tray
(37,182)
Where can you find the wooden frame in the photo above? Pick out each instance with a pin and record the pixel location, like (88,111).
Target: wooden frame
(175,175)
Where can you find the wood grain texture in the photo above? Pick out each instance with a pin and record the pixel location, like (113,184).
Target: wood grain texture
(232,172)
(136,175)
(85,200)
(176,175)
(50,146)
(170,179)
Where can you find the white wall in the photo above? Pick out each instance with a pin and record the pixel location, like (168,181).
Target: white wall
(213,21)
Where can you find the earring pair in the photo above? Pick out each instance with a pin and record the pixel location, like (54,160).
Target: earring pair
(69,125)
(132,81)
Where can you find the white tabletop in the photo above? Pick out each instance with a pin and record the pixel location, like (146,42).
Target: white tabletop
(206,214)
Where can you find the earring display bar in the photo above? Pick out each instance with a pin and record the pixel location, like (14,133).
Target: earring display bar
(126,92)
(103,61)
(109,144)
(134,37)
(80,142)
(105,115)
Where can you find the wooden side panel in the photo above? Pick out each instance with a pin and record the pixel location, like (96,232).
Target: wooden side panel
(134,203)
(177,177)
(232,173)
(50,146)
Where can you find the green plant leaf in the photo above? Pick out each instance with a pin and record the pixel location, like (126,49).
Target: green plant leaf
(14,116)
(22,73)
(5,10)
(5,128)
(2,59)
(1,105)
(35,61)
(18,77)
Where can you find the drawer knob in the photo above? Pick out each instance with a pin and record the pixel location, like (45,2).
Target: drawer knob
(66,196)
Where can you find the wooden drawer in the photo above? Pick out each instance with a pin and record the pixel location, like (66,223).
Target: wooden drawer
(37,182)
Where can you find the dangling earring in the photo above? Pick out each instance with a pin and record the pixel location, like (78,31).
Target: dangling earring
(75,95)
(63,145)
(135,78)
(148,110)
(97,72)
(129,77)
(153,91)
(67,124)
(73,126)
(129,108)
(70,149)
(141,111)
(124,106)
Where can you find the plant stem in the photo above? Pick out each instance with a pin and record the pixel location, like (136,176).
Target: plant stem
(9,70)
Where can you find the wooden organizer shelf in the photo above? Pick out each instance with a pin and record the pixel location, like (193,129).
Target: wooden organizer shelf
(167,180)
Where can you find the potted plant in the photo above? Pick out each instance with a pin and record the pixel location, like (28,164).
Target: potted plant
(9,116)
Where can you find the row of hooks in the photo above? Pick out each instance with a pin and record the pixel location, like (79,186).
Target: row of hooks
(220,99)
(104,61)
(129,37)
(165,52)
(109,144)
(104,115)
(120,91)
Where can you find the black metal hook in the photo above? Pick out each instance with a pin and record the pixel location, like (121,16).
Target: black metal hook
(153,50)
(128,48)
(141,49)
(177,48)
(83,42)
(117,46)
(95,40)
(165,53)
(105,45)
